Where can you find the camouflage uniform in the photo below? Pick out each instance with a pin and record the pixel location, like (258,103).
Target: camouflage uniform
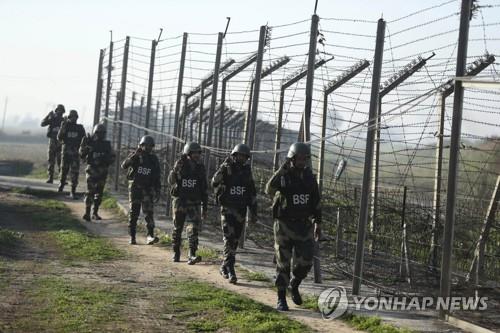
(53,121)
(99,155)
(235,190)
(144,186)
(190,195)
(296,206)
(70,135)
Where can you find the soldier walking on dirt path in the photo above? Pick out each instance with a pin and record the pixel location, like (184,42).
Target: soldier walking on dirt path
(297,219)
(97,152)
(189,190)
(70,135)
(53,120)
(144,187)
(234,188)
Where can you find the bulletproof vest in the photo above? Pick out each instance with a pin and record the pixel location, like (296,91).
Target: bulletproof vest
(237,191)
(189,186)
(143,170)
(298,195)
(74,134)
(54,126)
(100,153)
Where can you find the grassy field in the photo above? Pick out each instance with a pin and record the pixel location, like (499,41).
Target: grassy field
(56,277)
(35,153)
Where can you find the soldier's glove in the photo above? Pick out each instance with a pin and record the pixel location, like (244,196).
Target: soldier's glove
(178,166)
(317,232)
(136,154)
(226,164)
(284,167)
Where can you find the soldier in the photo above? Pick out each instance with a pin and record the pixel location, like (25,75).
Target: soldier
(144,187)
(235,191)
(70,135)
(189,191)
(297,218)
(99,155)
(53,120)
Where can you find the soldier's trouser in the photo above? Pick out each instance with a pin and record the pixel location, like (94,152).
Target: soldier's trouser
(232,222)
(140,196)
(181,210)
(70,163)
(95,189)
(54,156)
(294,245)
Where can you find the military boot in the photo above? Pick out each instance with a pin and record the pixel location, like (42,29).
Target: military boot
(72,194)
(232,274)
(177,253)
(294,290)
(223,271)
(151,238)
(86,216)
(61,187)
(131,232)
(96,216)
(50,180)
(193,258)
(282,305)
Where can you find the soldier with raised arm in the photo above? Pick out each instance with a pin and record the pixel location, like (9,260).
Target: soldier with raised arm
(297,220)
(235,191)
(53,122)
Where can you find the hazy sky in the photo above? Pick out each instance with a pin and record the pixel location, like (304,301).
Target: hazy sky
(49,49)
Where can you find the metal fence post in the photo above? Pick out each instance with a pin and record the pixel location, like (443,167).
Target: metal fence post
(370,137)
(446,261)
(122,105)
(214,100)
(98,94)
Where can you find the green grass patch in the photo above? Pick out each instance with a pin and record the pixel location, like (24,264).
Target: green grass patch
(9,238)
(108,201)
(53,215)
(310,302)
(35,192)
(39,172)
(372,324)
(165,240)
(77,245)
(69,234)
(207,253)
(206,308)
(61,305)
(254,276)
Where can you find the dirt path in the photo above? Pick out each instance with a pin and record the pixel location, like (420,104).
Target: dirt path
(156,259)
(141,273)
(37,258)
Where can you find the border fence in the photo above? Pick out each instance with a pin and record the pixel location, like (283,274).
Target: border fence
(374,98)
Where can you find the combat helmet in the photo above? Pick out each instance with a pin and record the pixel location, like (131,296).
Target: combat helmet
(241,148)
(191,147)
(299,148)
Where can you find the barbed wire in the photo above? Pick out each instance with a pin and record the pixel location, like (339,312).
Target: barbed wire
(409,117)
